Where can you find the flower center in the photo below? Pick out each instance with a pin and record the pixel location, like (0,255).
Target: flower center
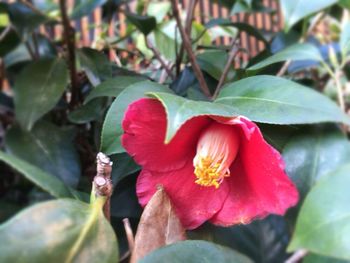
(216,150)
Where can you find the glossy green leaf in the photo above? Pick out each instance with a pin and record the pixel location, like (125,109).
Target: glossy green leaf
(47,6)
(112,130)
(184,81)
(314,258)
(123,165)
(277,135)
(85,7)
(95,64)
(158,10)
(294,11)
(88,112)
(345,39)
(308,154)
(9,42)
(296,52)
(213,62)
(143,23)
(63,230)
(195,251)
(323,224)
(124,202)
(38,89)
(240,26)
(112,87)
(250,6)
(344,3)
(25,19)
(262,240)
(165,42)
(47,182)
(54,154)
(275,100)
(179,110)
(4,15)
(21,54)
(200,35)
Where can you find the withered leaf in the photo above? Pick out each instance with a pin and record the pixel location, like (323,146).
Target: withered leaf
(159,226)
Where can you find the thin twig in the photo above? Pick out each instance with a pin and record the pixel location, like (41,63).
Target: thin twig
(188,29)
(2,74)
(297,256)
(316,21)
(159,58)
(69,38)
(340,90)
(30,51)
(129,234)
(188,47)
(164,74)
(5,32)
(103,185)
(32,7)
(284,68)
(233,53)
(35,44)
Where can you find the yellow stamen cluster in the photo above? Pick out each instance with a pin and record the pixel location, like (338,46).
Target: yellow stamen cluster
(208,172)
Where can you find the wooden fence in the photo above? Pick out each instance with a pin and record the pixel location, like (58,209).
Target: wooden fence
(89,28)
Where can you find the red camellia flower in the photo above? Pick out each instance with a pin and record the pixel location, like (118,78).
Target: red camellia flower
(215,168)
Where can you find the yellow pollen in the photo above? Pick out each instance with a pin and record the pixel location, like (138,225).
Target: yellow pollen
(208,172)
(217,149)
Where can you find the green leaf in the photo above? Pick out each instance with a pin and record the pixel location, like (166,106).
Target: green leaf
(21,54)
(294,11)
(213,62)
(345,40)
(314,258)
(275,100)
(38,89)
(85,7)
(24,18)
(61,230)
(10,41)
(262,240)
(112,87)
(250,6)
(124,202)
(54,154)
(123,165)
(179,110)
(47,182)
(112,130)
(158,10)
(277,135)
(296,52)
(240,26)
(323,224)
(143,23)
(165,41)
(95,64)
(88,112)
(344,3)
(195,251)
(307,156)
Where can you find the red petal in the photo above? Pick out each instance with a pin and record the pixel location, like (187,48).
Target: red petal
(194,204)
(144,125)
(258,184)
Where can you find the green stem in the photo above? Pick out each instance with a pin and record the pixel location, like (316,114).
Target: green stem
(336,77)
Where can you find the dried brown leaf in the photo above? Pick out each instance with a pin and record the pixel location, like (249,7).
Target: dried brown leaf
(159,226)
